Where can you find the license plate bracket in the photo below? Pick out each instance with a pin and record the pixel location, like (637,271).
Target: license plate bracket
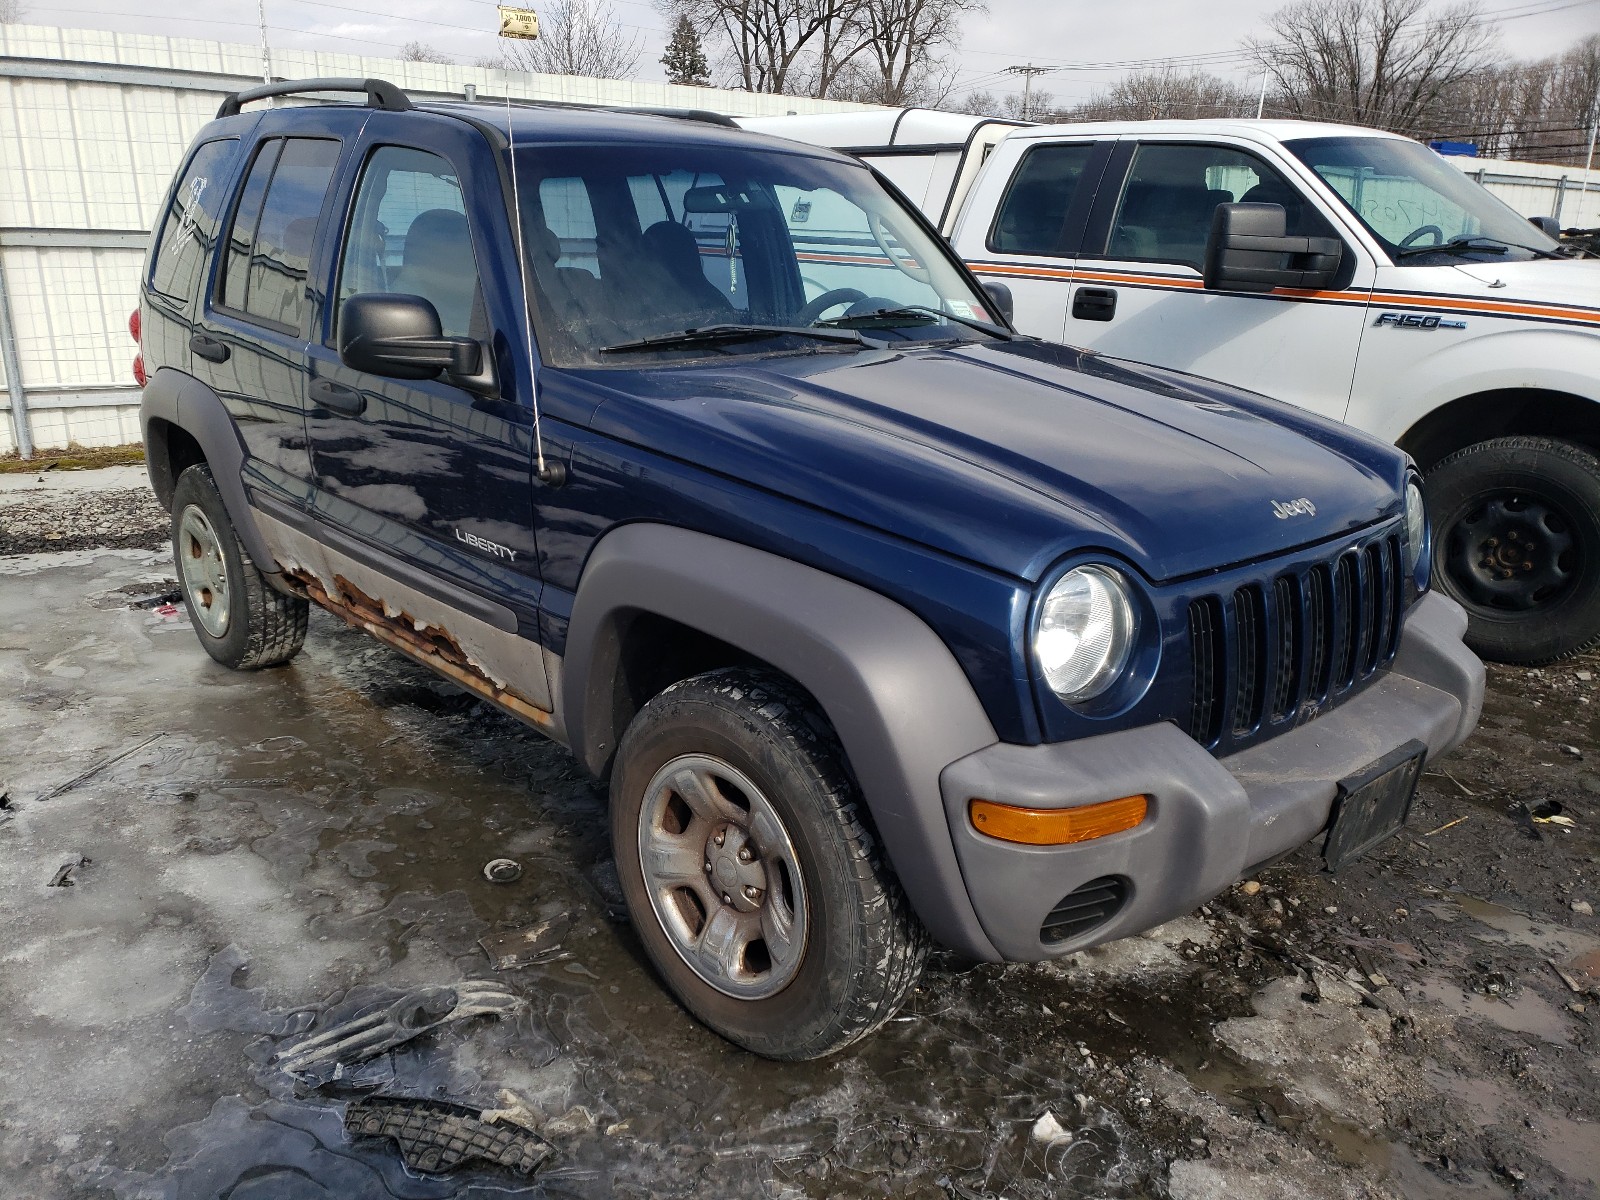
(1373,805)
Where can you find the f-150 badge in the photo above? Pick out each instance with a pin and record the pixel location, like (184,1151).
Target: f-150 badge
(1417,321)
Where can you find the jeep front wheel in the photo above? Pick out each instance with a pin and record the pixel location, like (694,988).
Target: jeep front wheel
(241,620)
(1516,541)
(756,889)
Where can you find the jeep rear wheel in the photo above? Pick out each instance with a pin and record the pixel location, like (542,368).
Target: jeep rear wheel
(756,889)
(1516,541)
(240,619)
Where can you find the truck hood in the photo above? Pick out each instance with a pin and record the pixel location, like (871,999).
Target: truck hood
(1569,282)
(1012,455)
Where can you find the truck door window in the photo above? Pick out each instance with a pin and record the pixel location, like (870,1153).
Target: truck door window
(409,235)
(190,225)
(274,228)
(1164,214)
(1033,215)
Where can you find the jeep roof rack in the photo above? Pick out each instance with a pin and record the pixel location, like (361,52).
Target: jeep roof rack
(680,114)
(380,93)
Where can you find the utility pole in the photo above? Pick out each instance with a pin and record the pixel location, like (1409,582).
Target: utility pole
(1588,162)
(266,54)
(1027,73)
(1261,100)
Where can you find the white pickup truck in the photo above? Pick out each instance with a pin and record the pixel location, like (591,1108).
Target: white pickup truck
(1352,272)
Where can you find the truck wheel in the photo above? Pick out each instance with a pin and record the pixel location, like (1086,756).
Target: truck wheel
(240,619)
(1516,540)
(758,892)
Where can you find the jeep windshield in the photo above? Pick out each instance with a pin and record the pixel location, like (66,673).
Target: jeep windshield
(1423,210)
(693,250)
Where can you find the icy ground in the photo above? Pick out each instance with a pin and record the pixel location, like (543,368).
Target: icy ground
(272,851)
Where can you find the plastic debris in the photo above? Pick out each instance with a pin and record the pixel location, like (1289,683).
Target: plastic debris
(502,870)
(524,947)
(1049,1131)
(331,1054)
(63,876)
(435,1136)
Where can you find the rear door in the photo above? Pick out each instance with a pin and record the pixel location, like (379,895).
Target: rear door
(250,342)
(423,487)
(1138,291)
(1041,209)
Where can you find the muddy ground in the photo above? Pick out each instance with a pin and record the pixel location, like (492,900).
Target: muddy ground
(259,855)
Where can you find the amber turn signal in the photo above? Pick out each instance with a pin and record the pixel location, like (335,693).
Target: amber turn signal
(1056,826)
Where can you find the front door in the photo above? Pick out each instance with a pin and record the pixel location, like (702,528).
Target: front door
(426,484)
(1137,291)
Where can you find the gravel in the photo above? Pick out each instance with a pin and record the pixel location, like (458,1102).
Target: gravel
(80,510)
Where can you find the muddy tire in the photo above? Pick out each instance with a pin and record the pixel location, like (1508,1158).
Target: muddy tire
(241,620)
(1516,541)
(758,890)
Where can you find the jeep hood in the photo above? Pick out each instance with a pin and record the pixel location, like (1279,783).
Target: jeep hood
(1012,455)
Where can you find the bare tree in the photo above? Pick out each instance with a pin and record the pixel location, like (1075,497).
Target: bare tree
(1165,95)
(12,12)
(1369,62)
(780,46)
(416,52)
(899,61)
(1537,110)
(578,37)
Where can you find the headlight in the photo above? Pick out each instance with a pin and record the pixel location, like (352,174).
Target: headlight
(1416,525)
(1085,635)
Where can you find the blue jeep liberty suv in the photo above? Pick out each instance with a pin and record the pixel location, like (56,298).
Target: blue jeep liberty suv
(887,626)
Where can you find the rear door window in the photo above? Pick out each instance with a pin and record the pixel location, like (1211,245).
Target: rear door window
(274,229)
(190,226)
(1033,215)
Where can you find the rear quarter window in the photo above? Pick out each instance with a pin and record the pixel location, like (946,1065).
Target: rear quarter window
(188,230)
(1033,216)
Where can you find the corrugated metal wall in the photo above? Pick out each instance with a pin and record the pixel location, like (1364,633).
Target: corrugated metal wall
(92,126)
(1537,190)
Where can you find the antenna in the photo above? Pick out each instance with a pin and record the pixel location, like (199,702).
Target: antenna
(554,474)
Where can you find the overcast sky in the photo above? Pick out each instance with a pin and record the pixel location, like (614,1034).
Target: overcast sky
(1094,40)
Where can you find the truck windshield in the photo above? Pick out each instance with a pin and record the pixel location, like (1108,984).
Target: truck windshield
(1421,208)
(631,245)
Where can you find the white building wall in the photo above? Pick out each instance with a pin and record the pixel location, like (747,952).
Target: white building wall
(1539,190)
(92,126)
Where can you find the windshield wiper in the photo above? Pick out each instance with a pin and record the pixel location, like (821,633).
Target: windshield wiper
(713,334)
(1485,245)
(902,312)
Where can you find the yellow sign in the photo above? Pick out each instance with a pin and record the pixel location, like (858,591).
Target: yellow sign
(519,23)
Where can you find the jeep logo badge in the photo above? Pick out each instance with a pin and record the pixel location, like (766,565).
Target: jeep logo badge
(1284,509)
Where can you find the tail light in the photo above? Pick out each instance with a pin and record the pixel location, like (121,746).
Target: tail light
(135,331)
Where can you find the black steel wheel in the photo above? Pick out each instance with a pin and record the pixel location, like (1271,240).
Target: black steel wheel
(1516,540)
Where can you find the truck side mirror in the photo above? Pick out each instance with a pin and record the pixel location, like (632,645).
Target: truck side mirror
(400,337)
(1000,296)
(1548,226)
(1248,252)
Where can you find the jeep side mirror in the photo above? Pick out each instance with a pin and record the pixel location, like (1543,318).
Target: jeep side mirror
(1000,296)
(1248,252)
(400,337)
(1548,226)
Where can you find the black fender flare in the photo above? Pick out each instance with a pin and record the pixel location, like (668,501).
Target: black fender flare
(183,401)
(901,704)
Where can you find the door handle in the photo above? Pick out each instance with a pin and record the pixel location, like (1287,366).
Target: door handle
(338,398)
(1094,304)
(209,348)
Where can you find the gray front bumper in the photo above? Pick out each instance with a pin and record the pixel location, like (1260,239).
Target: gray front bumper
(1210,819)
